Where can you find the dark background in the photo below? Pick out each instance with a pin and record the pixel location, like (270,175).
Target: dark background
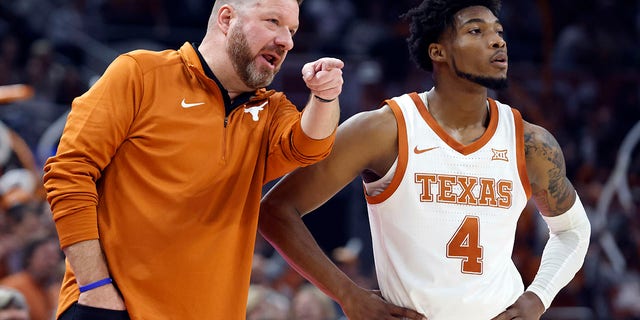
(574,69)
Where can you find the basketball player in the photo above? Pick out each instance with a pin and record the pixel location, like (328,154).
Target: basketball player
(447,173)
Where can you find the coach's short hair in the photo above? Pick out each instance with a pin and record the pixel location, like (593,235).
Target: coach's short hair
(219,3)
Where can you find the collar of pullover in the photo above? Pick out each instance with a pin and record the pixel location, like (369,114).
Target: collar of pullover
(194,59)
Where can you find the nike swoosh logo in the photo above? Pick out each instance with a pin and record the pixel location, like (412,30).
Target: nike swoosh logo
(419,151)
(186,105)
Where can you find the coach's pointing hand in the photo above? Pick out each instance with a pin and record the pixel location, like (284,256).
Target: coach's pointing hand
(321,115)
(324,78)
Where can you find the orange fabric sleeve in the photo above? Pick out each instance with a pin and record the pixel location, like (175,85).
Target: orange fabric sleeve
(290,147)
(95,128)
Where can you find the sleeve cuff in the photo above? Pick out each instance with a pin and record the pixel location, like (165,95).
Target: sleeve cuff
(76,226)
(309,146)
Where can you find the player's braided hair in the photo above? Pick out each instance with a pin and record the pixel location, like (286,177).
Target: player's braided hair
(430,19)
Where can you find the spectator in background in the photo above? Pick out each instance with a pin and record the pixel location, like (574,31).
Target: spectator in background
(265,303)
(67,30)
(330,20)
(39,281)
(133,14)
(309,303)
(10,50)
(13,305)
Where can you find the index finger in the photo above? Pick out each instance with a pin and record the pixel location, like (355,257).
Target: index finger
(329,63)
(308,71)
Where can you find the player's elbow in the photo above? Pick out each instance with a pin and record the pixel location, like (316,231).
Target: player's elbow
(275,215)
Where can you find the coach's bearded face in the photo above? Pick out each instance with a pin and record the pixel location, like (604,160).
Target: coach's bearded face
(244,62)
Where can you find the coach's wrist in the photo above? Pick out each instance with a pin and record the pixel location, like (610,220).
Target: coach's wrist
(323,100)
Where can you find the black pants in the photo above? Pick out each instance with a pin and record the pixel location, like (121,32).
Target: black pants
(80,312)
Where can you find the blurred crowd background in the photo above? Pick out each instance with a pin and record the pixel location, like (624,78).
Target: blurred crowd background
(574,69)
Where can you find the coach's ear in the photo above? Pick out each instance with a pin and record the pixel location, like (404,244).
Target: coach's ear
(437,52)
(225,14)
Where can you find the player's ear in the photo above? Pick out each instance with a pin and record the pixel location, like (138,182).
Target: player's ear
(437,52)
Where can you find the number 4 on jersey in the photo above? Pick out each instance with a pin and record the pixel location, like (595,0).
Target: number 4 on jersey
(465,245)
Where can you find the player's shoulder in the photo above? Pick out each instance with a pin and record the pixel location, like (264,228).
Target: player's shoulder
(503,106)
(535,132)
(373,121)
(538,140)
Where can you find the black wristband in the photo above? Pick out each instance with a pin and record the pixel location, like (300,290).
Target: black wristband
(323,99)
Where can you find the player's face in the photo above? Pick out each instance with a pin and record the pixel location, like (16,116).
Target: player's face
(478,50)
(259,41)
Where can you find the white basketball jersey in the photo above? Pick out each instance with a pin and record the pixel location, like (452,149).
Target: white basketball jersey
(443,228)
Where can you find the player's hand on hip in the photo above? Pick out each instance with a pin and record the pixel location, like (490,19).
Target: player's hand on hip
(527,307)
(324,77)
(369,305)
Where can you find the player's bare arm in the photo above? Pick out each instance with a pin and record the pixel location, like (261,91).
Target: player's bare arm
(382,143)
(553,193)
(365,142)
(569,228)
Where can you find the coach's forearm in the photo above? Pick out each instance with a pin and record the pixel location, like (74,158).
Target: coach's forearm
(320,118)
(87,261)
(89,265)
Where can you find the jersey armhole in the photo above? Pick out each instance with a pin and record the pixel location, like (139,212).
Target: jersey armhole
(401,167)
(520,153)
